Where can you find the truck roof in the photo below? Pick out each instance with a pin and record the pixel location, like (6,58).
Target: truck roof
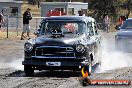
(70,18)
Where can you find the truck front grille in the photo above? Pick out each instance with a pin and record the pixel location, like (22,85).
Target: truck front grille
(55,51)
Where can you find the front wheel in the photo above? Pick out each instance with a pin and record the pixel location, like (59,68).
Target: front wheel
(28,70)
(88,68)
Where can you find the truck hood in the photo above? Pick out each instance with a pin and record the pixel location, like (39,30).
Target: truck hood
(59,41)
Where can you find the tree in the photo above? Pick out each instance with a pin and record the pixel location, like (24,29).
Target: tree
(129,3)
(32,2)
(113,8)
(101,7)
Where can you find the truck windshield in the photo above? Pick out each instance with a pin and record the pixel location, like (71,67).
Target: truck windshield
(65,27)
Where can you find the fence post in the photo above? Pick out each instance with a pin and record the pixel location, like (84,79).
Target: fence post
(7,25)
(36,24)
(17,25)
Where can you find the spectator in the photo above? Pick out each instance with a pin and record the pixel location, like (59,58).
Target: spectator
(106,21)
(26,17)
(120,21)
(80,13)
(1,21)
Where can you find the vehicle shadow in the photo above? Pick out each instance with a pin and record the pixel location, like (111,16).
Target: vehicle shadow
(58,74)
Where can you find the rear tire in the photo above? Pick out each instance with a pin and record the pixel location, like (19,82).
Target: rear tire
(28,70)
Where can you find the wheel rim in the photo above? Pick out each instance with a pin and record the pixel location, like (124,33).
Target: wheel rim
(90,69)
(90,65)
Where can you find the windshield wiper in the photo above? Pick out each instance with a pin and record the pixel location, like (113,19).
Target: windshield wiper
(67,32)
(71,33)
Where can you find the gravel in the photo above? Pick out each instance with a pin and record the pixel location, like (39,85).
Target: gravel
(12,74)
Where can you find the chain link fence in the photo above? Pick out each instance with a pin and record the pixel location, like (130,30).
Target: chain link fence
(13,26)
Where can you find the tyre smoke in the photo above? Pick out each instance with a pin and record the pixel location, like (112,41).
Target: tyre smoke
(15,64)
(111,58)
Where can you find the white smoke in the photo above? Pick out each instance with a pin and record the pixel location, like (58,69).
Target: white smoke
(16,64)
(111,58)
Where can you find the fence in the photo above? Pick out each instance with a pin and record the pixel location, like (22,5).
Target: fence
(13,26)
(112,25)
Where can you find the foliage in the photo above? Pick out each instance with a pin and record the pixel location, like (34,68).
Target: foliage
(98,8)
(114,8)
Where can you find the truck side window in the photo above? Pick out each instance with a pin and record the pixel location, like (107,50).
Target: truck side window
(95,28)
(90,29)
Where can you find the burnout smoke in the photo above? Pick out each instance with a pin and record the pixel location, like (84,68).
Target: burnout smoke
(113,59)
(16,64)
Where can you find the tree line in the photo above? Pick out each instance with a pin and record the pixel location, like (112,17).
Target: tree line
(98,8)
(113,8)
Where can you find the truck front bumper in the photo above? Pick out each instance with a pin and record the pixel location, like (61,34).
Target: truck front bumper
(55,65)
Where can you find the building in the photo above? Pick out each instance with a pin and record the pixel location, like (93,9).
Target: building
(69,8)
(10,7)
(65,0)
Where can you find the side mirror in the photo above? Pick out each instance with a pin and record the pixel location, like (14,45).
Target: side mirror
(36,33)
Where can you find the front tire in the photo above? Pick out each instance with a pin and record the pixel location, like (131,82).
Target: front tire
(28,70)
(88,67)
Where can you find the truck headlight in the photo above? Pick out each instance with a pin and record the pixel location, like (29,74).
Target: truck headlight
(80,48)
(28,47)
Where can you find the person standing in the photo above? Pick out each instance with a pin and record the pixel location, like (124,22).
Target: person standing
(26,17)
(1,20)
(120,21)
(80,13)
(106,21)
